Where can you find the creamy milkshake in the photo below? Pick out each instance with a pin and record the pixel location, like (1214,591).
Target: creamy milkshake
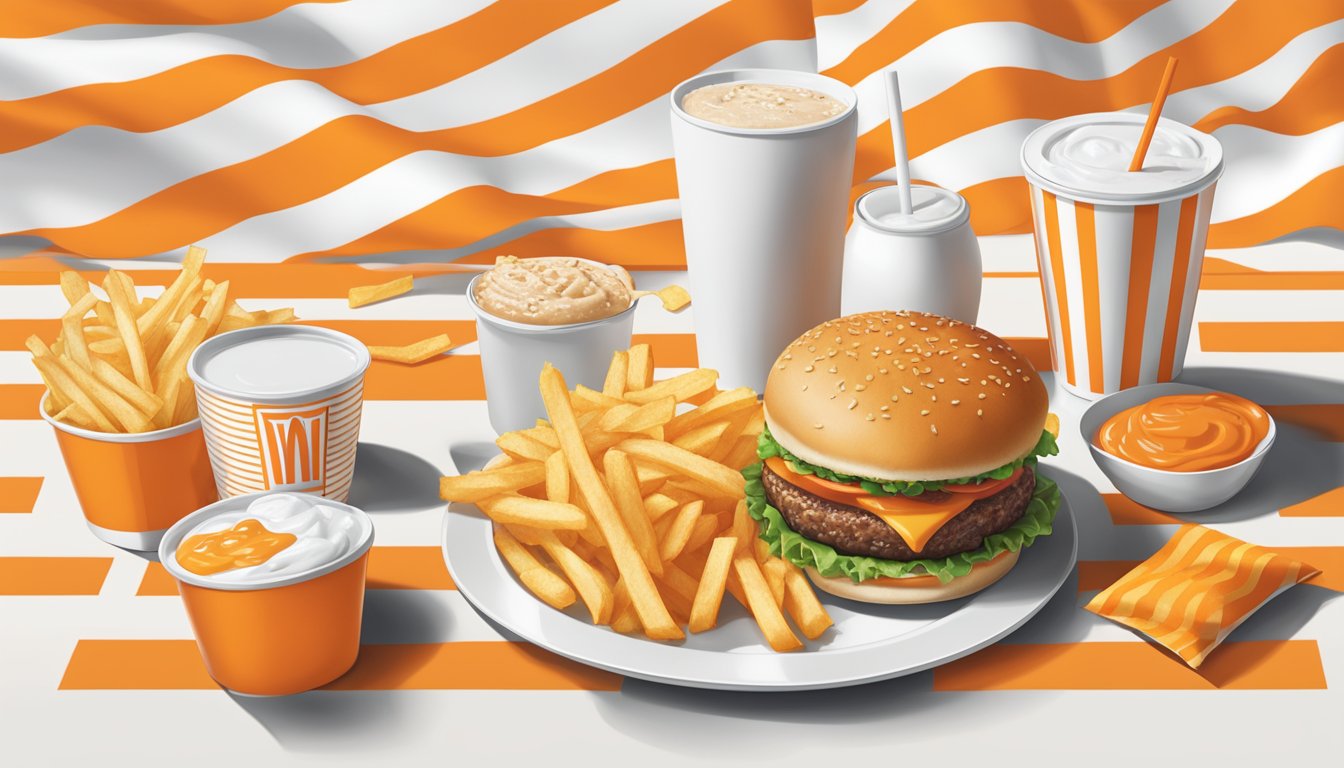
(1120,251)
(760,105)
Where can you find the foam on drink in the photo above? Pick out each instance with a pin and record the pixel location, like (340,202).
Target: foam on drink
(760,105)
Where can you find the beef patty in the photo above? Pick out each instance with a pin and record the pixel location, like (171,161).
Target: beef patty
(855,531)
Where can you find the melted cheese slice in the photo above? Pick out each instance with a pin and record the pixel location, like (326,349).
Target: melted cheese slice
(915,521)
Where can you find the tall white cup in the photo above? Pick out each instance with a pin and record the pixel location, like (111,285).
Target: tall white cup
(927,260)
(513,354)
(763,214)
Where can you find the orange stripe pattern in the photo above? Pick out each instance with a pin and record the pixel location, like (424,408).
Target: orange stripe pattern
(19,494)
(53,575)
(126,665)
(1196,589)
(389,568)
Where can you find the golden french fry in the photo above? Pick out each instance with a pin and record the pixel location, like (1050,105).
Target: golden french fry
(743,452)
(520,446)
(638,418)
(761,603)
(126,325)
(723,404)
(592,586)
(475,486)
(717,477)
(131,419)
(367,294)
(702,440)
(713,581)
(625,621)
(774,571)
(617,372)
(537,513)
(557,478)
(59,381)
(653,613)
(704,529)
(802,604)
(194,259)
(72,327)
(682,387)
(73,414)
(73,286)
(679,530)
(744,528)
(639,367)
(624,489)
(213,311)
(590,399)
(538,579)
(411,354)
(190,333)
(657,504)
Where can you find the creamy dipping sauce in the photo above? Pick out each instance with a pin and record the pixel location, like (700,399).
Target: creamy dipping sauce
(553,291)
(1185,433)
(278,535)
(760,105)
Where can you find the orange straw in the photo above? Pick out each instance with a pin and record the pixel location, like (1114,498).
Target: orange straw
(1151,125)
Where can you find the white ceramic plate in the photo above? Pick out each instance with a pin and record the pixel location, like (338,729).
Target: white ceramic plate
(867,643)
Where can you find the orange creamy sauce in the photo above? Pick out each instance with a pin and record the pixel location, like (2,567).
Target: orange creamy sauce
(1185,433)
(246,544)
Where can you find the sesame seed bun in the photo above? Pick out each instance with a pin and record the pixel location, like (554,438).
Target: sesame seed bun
(891,592)
(904,396)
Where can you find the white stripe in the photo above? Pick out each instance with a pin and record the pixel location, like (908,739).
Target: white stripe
(304,36)
(840,34)
(1047,279)
(1264,168)
(1073,286)
(1114,233)
(1198,235)
(93,172)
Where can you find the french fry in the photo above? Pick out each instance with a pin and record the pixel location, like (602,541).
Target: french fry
(59,381)
(702,440)
(367,294)
(722,405)
(744,528)
(521,446)
(639,368)
(475,486)
(72,331)
(213,311)
(538,513)
(127,326)
(714,475)
(774,571)
(73,414)
(762,605)
(557,478)
(713,581)
(590,399)
(411,354)
(538,579)
(657,504)
(802,604)
(617,372)
(681,387)
(73,286)
(628,417)
(679,530)
(592,586)
(653,613)
(624,489)
(130,419)
(704,529)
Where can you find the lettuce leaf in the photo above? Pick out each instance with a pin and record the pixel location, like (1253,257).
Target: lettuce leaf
(806,553)
(767,447)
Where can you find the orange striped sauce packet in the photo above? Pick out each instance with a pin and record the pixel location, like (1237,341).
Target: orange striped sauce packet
(1196,589)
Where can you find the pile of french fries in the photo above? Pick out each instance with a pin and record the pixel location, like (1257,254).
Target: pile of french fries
(635,506)
(119,363)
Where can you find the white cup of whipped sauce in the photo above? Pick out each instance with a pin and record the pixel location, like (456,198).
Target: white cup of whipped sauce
(1119,251)
(927,260)
(570,312)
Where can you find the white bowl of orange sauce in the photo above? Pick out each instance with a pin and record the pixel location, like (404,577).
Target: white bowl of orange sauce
(1177,447)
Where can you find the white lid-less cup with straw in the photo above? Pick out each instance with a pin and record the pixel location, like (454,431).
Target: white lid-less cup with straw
(910,246)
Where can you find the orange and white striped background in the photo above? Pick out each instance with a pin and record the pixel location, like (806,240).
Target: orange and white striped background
(400,134)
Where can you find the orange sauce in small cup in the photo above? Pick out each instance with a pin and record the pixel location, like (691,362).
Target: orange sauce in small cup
(1185,433)
(246,544)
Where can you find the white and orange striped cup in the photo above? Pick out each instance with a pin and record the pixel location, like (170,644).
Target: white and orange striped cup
(1120,252)
(281,406)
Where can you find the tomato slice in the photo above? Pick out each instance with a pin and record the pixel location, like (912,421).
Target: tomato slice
(987,487)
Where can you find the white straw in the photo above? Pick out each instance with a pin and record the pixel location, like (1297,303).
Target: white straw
(898,140)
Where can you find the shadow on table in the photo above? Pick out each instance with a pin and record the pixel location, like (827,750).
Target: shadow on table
(469,457)
(332,721)
(388,479)
(1300,466)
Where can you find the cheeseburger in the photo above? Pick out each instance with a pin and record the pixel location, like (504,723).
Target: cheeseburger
(898,460)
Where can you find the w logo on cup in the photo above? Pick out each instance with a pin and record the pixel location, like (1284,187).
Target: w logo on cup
(293,446)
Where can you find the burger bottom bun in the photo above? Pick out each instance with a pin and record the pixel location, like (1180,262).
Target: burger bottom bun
(915,594)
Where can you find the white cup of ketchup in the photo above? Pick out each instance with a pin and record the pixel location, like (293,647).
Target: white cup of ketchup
(1182,454)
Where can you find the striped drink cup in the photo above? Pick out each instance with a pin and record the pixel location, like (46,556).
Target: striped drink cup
(280,406)
(1119,252)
